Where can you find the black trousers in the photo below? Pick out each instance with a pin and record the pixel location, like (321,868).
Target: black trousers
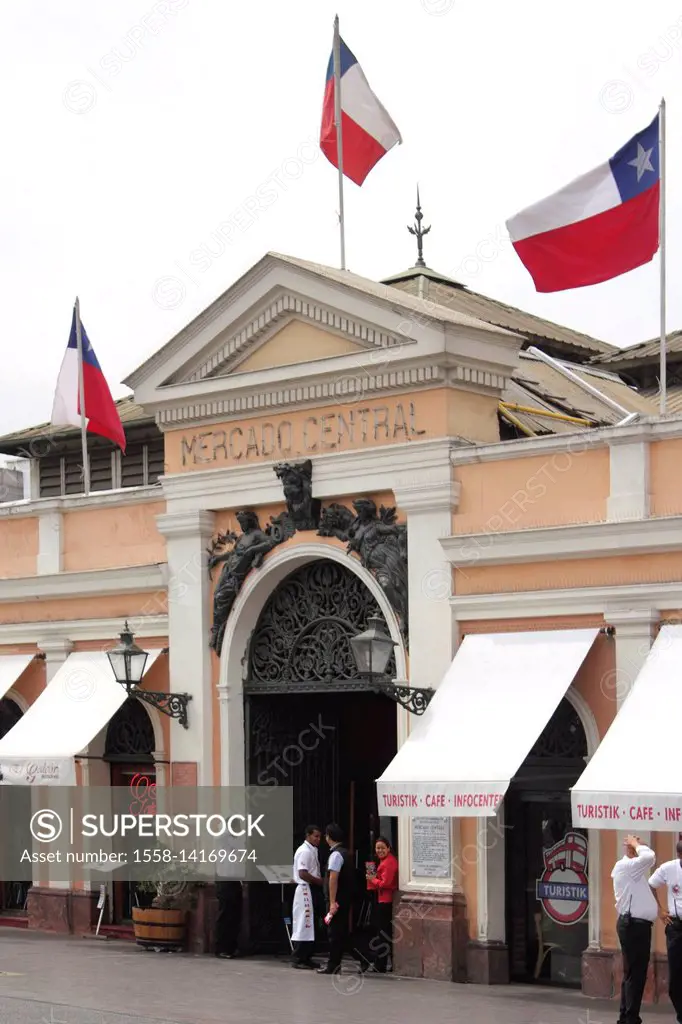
(304,952)
(634,936)
(338,937)
(382,941)
(229,920)
(673,938)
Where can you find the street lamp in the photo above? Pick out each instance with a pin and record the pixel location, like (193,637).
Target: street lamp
(128,662)
(372,650)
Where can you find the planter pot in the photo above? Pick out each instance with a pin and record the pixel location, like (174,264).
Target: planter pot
(160,929)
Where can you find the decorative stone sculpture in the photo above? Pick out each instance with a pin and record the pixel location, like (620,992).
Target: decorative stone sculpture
(335,521)
(303,511)
(245,553)
(379,541)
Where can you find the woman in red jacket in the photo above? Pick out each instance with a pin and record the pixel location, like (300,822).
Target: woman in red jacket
(384,882)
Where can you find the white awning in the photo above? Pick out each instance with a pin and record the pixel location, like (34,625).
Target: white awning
(11,667)
(634,782)
(76,704)
(498,695)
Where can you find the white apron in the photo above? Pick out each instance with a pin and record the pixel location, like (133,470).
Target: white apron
(303,918)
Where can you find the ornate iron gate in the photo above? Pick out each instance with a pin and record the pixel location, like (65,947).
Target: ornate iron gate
(299,652)
(302,640)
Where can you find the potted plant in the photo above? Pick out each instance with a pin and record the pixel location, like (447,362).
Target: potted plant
(163,925)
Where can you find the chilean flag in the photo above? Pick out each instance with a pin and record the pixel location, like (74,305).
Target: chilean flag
(100,410)
(367,129)
(603,224)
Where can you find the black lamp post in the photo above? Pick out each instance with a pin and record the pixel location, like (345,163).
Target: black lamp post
(372,650)
(128,662)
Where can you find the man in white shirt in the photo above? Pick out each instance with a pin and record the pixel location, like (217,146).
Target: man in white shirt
(670,875)
(637,912)
(307,875)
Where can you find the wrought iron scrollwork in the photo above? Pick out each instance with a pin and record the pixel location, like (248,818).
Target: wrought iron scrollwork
(413,698)
(172,704)
(130,736)
(563,738)
(303,636)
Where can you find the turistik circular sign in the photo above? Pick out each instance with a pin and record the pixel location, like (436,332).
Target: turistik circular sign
(563,889)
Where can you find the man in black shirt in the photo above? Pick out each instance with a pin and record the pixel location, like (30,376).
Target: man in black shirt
(338,889)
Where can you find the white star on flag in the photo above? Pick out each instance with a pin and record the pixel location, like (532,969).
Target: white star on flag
(642,161)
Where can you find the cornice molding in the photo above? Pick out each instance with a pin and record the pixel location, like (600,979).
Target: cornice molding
(552,543)
(428,495)
(92,583)
(79,502)
(630,599)
(335,475)
(69,631)
(649,429)
(356,384)
(191,523)
(352,384)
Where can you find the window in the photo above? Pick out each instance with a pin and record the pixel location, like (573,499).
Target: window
(143,462)
(60,472)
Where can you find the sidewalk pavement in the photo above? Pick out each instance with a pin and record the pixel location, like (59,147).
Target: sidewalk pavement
(56,980)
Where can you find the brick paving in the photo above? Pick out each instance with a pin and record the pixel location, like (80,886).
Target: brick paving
(55,980)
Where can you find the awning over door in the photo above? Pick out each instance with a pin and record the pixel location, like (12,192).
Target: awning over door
(11,667)
(498,695)
(634,781)
(76,704)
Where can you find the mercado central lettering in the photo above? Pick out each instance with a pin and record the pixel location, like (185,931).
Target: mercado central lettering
(317,432)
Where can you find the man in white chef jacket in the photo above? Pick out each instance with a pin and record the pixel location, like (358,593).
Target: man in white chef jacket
(307,876)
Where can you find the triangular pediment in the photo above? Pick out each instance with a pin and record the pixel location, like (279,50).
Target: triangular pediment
(286,331)
(291,332)
(297,342)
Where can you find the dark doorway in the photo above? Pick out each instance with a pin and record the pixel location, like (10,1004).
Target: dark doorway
(13,895)
(312,724)
(546,873)
(129,748)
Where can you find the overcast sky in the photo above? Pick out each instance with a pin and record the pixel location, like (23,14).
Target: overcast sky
(132,132)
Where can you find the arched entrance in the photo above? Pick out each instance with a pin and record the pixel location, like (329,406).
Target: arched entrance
(547,880)
(310,722)
(13,895)
(129,749)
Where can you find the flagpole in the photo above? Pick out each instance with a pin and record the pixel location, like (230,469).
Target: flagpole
(661,221)
(339,135)
(81,400)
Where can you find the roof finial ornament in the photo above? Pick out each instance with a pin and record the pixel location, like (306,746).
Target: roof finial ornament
(418,231)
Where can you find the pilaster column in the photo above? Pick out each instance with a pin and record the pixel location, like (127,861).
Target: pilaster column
(428,498)
(187,535)
(634,639)
(50,543)
(232,763)
(629,490)
(56,651)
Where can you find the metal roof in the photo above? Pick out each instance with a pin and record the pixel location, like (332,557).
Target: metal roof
(396,296)
(538,385)
(673,398)
(127,409)
(446,292)
(646,351)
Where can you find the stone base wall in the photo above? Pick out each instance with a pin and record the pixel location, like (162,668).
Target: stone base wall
(65,911)
(602,973)
(488,963)
(430,936)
